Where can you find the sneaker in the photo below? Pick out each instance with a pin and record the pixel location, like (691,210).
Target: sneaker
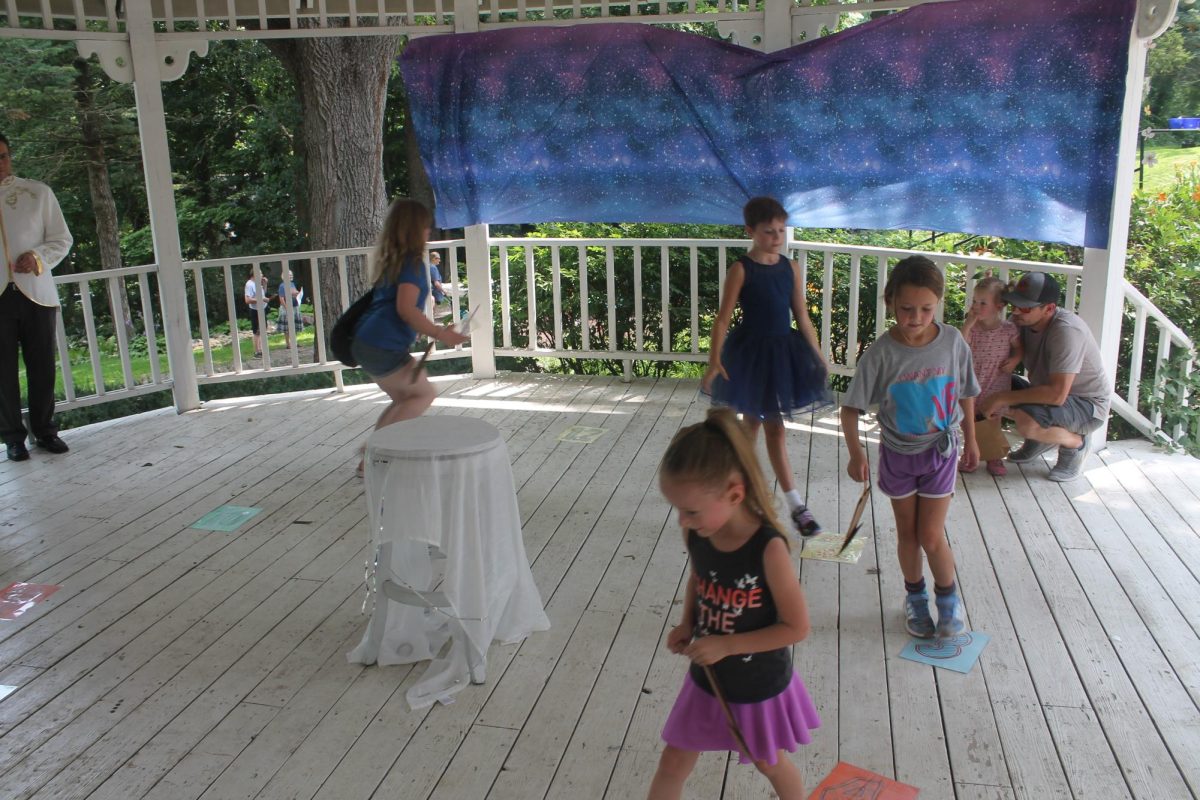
(1070,462)
(1029,451)
(805,522)
(996,467)
(917,621)
(950,616)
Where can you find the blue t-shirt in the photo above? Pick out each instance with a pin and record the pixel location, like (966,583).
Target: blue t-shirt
(435,276)
(381,326)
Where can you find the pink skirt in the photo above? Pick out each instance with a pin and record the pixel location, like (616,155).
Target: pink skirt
(697,722)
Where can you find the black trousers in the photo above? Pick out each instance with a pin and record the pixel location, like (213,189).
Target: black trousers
(26,324)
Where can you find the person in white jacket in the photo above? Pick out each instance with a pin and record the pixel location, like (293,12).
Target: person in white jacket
(35,239)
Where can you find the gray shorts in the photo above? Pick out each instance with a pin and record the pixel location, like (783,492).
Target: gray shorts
(1076,415)
(376,361)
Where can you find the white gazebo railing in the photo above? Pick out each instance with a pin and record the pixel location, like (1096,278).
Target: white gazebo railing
(619,285)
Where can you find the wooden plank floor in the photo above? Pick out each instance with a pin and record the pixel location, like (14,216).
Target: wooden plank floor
(177,664)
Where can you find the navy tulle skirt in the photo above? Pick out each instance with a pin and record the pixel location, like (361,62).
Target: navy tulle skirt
(770,376)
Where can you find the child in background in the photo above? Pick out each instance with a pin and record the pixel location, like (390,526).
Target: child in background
(766,369)
(742,610)
(995,348)
(920,375)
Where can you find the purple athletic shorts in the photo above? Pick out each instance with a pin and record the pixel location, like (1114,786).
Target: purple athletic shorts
(927,474)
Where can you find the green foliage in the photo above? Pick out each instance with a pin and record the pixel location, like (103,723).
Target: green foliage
(1175,399)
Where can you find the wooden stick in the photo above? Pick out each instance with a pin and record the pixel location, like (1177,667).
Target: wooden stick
(421,364)
(856,519)
(729,720)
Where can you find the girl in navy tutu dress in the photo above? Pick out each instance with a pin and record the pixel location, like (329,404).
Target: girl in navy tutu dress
(766,369)
(742,610)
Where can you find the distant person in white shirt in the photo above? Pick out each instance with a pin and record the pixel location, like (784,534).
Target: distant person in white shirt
(35,239)
(256,298)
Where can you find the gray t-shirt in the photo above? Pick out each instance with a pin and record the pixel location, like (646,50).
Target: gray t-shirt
(917,390)
(1067,346)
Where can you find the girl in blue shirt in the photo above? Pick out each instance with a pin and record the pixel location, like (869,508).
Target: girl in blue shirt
(386,332)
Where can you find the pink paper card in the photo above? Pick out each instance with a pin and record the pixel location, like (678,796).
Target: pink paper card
(848,782)
(17,598)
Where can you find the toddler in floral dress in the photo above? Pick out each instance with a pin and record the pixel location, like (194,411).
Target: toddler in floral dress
(995,347)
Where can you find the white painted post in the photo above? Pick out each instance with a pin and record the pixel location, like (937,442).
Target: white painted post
(777,25)
(160,197)
(479,300)
(1102,299)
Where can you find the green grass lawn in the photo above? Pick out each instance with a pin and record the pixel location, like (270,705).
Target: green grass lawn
(1161,176)
(114,377)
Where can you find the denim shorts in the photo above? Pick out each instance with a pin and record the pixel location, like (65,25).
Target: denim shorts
(1076,415)
(927,474)
(376,361)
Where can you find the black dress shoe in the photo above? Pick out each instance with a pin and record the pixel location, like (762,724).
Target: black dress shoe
(17,452)
(52,444)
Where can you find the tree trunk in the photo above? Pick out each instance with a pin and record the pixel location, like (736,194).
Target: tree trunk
(341,83)
(104,206)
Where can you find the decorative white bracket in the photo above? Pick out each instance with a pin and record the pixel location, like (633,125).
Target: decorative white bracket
(1154,17)
(114,56)
(744,32)
(751,32)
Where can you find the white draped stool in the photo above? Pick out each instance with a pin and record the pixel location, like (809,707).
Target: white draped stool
(449,562)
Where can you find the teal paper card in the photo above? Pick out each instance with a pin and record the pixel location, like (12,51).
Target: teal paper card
(225,518)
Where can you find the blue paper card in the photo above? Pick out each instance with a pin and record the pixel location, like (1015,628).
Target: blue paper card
(958,653)
(225,518)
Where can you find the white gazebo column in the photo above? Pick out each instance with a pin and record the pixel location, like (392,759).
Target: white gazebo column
(1102,299)
(478,253)
(479,300)
(160,198)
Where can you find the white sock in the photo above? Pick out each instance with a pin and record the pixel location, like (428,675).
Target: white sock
(794,500)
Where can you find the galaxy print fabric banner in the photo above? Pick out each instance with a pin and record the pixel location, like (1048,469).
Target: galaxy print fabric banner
(998,118)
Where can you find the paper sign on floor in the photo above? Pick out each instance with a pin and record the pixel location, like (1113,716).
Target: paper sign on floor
(958,653)
(225,518)
(825,548)
(17,598)
(848,782)
(581,433)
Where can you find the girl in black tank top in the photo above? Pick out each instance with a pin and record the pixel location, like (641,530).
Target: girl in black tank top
(743,610)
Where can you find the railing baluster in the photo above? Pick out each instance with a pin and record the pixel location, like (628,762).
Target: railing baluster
(505,310)
(1135,361)
(531,297)
(116,289)
(556,283)
(64,359)
(827,306)
(202,315)
(235,335)
(149,330)
(1160,361)
(852,311)
(584,316)
(318,301)
(880,305)
(665,282)
(89,327)
(638,338)
(611,287)
(694,290)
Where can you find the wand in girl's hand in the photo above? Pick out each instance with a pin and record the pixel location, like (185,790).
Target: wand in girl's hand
(856,519)
(463,327)
(730,722)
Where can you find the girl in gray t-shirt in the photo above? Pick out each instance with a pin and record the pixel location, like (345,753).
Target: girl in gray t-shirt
(920,376)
